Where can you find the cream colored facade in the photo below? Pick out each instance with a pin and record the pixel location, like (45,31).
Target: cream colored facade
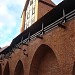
(31,13)
(34,11)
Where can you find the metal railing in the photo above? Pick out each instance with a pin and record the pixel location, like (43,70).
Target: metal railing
(41,32)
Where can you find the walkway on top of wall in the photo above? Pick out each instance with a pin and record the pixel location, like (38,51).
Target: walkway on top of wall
(45,24)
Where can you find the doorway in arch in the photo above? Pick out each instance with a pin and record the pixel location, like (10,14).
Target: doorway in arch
(44,62)
(19,70)
(6,70)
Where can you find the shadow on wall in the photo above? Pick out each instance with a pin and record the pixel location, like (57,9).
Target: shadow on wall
(6,70)
(73,72)
(44,62)
(0,70)
(19,70)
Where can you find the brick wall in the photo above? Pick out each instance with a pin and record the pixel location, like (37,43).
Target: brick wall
(44,8)
(52,55)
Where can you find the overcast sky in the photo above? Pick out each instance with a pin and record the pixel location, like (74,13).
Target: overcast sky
(10,19)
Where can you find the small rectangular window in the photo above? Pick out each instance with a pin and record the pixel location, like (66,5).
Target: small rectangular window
(27,25)
(31,2)
(33,10)
(28,15)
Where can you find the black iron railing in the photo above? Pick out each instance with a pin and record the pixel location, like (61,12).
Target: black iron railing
(64,12)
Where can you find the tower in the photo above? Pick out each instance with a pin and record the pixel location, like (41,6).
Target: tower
(34,10)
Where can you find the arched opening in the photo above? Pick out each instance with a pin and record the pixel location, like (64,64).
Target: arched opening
(73,72)
(44,62)
(7,70)
(19,70)
(0,70)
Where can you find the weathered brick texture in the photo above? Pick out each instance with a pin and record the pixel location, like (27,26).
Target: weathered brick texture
(52,55)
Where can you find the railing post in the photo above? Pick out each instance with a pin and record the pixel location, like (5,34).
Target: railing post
(23,42)
(10,54)
(21,39)
(42,28)
(29,37)
(64,17)
(63,20)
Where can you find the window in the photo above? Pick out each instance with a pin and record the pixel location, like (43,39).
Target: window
(28,15)
(33,10)
(31,2)
(27,25)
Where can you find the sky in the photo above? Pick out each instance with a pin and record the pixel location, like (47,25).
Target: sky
(10,19)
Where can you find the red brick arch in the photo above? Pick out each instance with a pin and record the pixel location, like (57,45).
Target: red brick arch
(0,69)
(73,72)
(6,69)
(19,70)
(44,62)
